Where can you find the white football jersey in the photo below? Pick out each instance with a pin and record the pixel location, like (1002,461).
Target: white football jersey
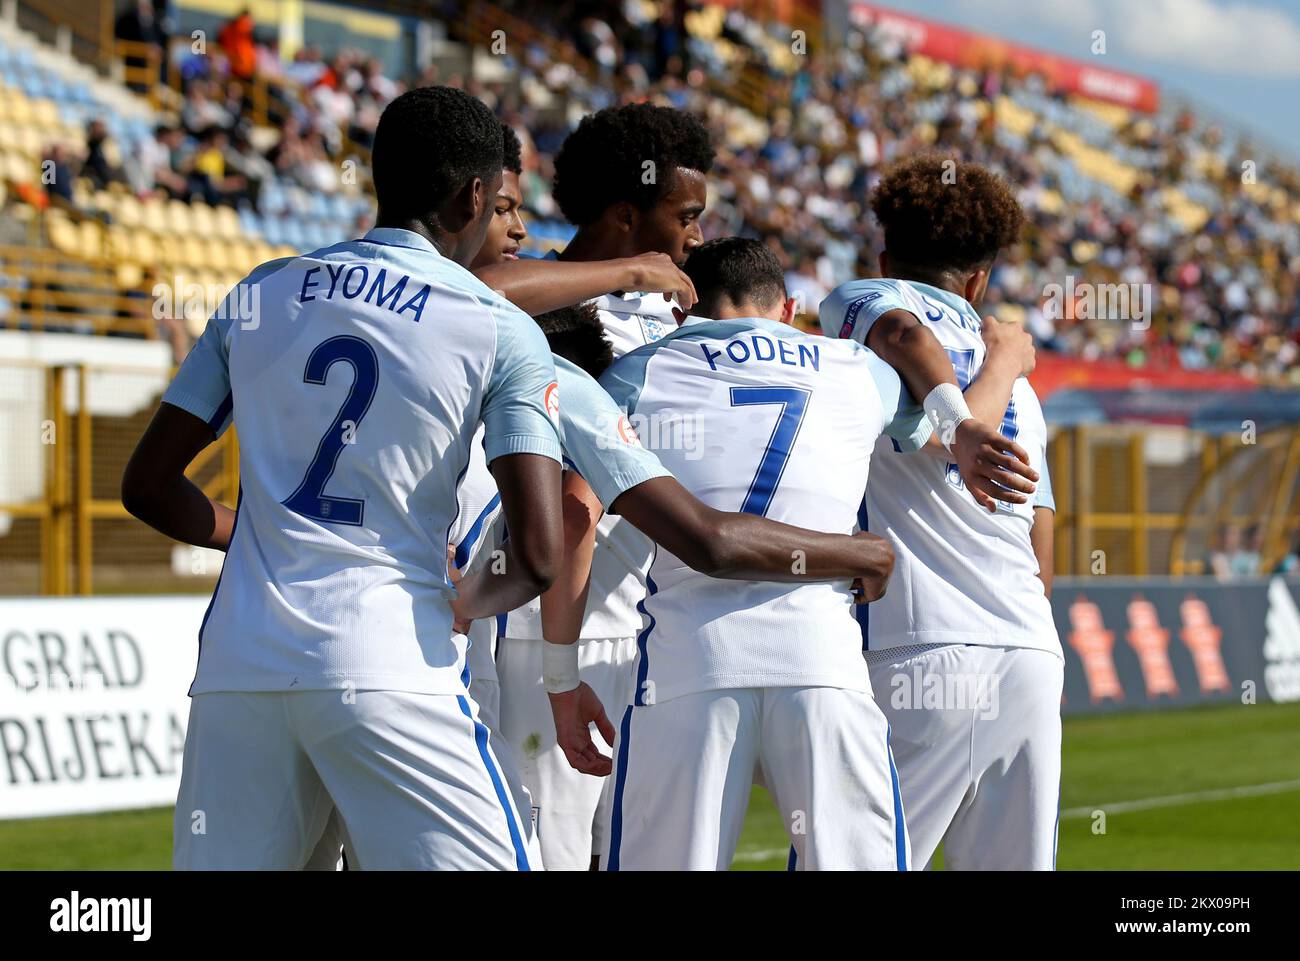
(476,532)
(356,387)
(622,554)
(634,320)
(962,575)
(780,424)
(602,447)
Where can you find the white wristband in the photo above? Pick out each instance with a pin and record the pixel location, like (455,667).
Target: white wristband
(559,667)
(946,407)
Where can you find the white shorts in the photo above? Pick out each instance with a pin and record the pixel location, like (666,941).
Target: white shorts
(976,733)
(684,769)
(413,777)
(567,804)
(480,659)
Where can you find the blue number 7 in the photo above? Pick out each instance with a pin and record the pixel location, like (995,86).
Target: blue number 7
(310,498)
(793,401)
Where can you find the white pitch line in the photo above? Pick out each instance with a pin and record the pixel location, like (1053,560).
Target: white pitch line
(1116,807)
(767,855)
(1173,800)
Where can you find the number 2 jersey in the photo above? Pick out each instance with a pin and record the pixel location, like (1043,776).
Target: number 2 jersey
(751,415)
(356,383)
(961,574)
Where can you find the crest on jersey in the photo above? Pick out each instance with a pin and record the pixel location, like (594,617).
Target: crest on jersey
(552,400)
(653,328)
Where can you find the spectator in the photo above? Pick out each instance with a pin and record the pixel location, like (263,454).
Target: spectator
(97,167)
(236,40)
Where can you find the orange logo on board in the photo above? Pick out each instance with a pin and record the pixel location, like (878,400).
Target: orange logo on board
(1095,646)
(1151,642)
(1204,640)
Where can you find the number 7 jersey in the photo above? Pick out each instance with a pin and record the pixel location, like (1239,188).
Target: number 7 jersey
(751,415)
(356,383)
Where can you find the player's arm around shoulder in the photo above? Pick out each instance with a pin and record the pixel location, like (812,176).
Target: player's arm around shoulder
(537,286)
(1009,356)
(993,467)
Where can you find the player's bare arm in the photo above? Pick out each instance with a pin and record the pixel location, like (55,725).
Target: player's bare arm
(156,490)
(563,607)
(993,467)
(1042,537)
(530,499)
(748,547)
(538,286)
(1010,356)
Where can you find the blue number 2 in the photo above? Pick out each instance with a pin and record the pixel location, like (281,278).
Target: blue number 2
(793,401)
(310,498)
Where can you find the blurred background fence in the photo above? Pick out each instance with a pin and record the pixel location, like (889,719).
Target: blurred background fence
(66,432)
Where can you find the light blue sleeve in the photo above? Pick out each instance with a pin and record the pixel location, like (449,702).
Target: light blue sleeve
(851,308)
(905,421)
(202,384)
(1043,496)
(599,442)
(522,391)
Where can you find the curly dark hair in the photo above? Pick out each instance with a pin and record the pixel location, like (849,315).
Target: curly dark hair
(576,334)
(513,159)
(737,269)
(602,161)
(430,142)
(958,221)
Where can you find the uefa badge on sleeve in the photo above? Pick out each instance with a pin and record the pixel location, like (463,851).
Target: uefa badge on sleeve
(552,401)
(627,433)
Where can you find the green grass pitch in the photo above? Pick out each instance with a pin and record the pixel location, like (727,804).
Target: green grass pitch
(1209,788)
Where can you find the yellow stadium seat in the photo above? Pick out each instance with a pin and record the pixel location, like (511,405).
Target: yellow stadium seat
(19,110)
(45,114)
(19,169)
(29,140)
(216,255)
(92,240)
(227,223)
(153,217)
(129,275)
(191,251)
(204,219)
(180,218)
(143,248)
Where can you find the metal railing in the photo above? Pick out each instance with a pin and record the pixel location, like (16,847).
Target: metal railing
(68,431)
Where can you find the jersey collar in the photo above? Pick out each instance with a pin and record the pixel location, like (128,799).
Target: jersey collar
(397,237)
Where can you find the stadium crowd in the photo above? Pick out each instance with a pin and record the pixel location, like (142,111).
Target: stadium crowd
(1225,292)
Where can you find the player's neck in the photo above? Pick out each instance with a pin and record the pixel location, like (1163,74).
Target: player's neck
(588,244)
(941,278)
(443,242)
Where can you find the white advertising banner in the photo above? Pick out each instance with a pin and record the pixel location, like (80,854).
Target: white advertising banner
(93,702)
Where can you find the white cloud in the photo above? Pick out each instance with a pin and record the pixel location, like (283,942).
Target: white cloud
(1236,38)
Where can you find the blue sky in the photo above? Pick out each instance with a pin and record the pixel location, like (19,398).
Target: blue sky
(1237,59)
